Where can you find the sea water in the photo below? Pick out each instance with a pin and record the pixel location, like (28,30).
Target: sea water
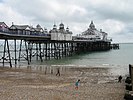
(117,60)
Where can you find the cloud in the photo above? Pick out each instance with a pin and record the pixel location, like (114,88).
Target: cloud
(8,15)
(114,17)
(112,9)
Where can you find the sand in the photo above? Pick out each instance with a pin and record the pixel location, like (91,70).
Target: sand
(42,84)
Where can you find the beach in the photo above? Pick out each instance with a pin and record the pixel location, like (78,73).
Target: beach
(42,84)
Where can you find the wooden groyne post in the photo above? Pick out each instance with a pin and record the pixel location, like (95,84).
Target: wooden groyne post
(131,73)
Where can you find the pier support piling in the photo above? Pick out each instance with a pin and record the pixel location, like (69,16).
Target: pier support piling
(15,52)
(6,50)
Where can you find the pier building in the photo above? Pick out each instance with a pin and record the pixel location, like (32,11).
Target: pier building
(61,33)
(93,34)
(4,27)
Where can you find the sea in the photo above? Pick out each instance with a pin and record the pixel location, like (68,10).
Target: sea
(117,60)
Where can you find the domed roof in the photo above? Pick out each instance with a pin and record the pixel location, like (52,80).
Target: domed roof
(45,30)
(38,26)
(92,26)
(61,26)
(67,29)
(54,26)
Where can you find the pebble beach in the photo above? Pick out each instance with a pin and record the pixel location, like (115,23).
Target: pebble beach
(30,84)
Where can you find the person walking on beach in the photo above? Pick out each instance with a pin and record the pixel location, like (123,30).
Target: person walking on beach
(119,79)
(77,84)
(58,72)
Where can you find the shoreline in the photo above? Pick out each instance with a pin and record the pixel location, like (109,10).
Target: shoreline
(31,84)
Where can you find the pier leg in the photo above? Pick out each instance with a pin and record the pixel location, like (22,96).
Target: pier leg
(62,50)
(20,47)
(43,49)
(30,46)
(36,51)
(4,53)
(59,50)
(69,51)
(40,52)
(46,51)
(56,53)
(27,58)
(65,49)
(72,47)
(49,51)
(15,51)
(54,50)
(9,54)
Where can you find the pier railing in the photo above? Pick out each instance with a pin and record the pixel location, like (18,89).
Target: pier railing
(24,33)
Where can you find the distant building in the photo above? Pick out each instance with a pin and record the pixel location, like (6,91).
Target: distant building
(54,33)
(68,35)
(20,29)
(3,27)
(45,30)
(27,30)
(39,29)
(93,34)
(61,33)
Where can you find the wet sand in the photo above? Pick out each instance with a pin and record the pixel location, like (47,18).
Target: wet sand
(43,84)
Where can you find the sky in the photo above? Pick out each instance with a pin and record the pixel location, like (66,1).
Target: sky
(114,17)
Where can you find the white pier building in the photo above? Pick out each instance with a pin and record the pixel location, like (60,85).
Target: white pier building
(93,34)
(61,33)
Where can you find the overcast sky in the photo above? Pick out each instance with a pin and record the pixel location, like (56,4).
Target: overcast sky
(112,16)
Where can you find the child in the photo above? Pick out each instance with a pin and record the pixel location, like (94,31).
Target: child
(77,84)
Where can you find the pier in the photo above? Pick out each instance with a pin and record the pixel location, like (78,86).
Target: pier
(23,43)
(114,46)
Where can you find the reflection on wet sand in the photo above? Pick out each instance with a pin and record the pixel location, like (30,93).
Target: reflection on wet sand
(48,69)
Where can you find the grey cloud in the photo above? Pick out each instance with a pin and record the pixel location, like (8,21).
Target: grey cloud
(117,10)
(128,30)
(77,13)
(44,11)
